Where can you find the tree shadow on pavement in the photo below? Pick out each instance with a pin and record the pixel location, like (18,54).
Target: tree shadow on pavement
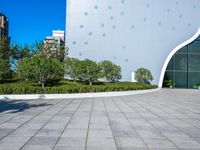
(18,106)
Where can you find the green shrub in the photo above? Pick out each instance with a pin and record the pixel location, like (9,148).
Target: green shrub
(69,87)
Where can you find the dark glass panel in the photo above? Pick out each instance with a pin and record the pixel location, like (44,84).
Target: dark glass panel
(181,79)
(194,62)
(193,78)
(181,62)
(182,50)
(194,47)
(171,64)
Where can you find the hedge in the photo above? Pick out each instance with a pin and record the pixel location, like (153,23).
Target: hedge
(72,88)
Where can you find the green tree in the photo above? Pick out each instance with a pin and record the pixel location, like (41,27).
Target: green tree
(5,50)
(143,75)
(5,53)
(72,68)
(110,71)
(41,69)
(4,69)
(89,71)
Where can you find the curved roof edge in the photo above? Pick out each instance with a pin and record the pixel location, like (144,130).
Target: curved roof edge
(171,54)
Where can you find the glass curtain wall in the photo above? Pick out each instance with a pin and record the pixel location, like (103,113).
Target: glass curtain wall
(184,67)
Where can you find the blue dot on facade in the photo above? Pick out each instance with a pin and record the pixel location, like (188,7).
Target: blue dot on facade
(80,54)
(122,1)
(74,42)
(147,5)
(104,35)
(85,43)
(86,13)
(173,28)
(159,23)
(102,25)
(111,18)
(114,27)
(132,27)
(110,7)
(81,26)
(122,13)
(90,33)
(96,7)
(126,60)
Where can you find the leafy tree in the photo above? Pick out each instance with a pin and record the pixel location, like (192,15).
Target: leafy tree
(110,71)
(4,69)
(143,75)
(41,69)
(5,50)
(72,68)
(89,71)
(5,53)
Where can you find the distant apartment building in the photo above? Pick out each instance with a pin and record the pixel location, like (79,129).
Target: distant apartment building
(3,26)
(54,46)
(58,37)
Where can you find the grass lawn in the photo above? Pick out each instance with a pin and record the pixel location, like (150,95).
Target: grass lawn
(66,86)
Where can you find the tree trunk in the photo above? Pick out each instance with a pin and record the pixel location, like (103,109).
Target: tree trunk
(42,84)
(90,83)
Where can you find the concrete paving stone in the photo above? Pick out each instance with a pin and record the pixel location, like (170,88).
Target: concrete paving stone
(10,147)
(70,148)
(37,147)
(55,126)
(125,133)
(101,147)
(102,142)
(100,133)
(71,142)
(129,142)
(185,143)
(10,125)
(158,143)
(14,140)
(50,132)
(150,134)
(74,133)
(41,140)
(131,148)
(5,131)
(24,132)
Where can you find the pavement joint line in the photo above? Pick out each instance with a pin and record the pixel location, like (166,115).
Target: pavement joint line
(171,124)
(106,110)
(152,124)
(86,141)
(20,113)
(29,120)
(70,101)
(67,124)
(130,124)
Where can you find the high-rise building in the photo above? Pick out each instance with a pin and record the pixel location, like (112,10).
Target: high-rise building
(138,33)
(55,45)
(3,26)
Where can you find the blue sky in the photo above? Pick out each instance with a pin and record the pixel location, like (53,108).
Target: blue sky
(33,20)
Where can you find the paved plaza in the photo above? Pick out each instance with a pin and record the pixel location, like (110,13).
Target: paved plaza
(162,120)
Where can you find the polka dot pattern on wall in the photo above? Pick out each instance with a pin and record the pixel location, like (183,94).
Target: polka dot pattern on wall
(118,12)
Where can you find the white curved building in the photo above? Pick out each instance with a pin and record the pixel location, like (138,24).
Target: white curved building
(138,33)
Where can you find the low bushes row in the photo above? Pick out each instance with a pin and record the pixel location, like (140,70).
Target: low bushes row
(64,89)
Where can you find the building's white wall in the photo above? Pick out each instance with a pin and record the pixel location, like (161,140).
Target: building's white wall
(131,33)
